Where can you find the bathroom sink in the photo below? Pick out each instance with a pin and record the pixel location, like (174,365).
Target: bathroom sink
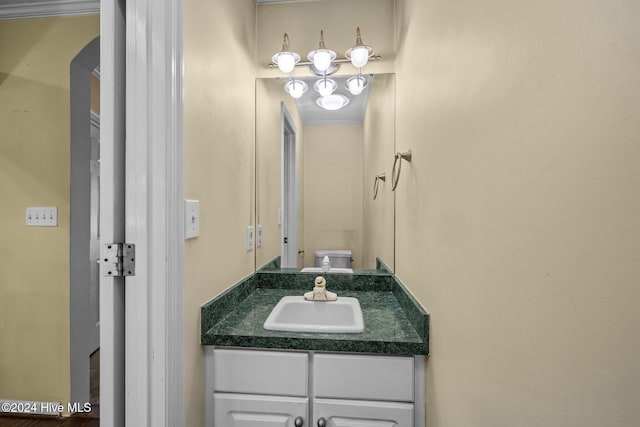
(295,314)
(331,270)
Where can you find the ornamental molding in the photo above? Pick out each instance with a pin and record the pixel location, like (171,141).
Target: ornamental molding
(47,8)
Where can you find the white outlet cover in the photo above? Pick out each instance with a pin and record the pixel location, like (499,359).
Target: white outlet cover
(259,236)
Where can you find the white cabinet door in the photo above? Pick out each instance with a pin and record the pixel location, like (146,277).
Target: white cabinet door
(249,410)
(362,413)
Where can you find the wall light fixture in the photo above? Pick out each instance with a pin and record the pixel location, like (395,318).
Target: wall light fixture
(323,62)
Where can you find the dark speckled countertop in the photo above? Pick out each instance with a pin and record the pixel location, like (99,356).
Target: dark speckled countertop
(394,322)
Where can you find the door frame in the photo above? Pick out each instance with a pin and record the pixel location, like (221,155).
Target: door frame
(153,193)
(154,213)
(289,190)
(112,185)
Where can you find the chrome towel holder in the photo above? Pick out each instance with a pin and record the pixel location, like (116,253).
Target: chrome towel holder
(376,183)
(395,174)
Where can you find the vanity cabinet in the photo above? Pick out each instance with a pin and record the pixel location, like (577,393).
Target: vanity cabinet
(354,413)
(246,387)
(250,410)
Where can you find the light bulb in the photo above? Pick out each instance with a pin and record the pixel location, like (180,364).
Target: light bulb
(359,56)
(286,62)
(325,87)
(356,85)
(321,57)
(332,102)
(295,88)
(322,60)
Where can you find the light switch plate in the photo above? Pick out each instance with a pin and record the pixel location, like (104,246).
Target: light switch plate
(41,217)
(191,219)
(249,238)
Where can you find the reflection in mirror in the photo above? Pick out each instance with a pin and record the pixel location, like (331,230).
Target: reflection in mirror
(338,154)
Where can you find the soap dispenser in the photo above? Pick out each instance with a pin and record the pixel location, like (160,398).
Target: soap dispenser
(326,264)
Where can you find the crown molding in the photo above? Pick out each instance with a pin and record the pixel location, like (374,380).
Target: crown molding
(47,8)
(281,1)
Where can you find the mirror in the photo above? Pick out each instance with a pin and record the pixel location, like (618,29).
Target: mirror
(315,174)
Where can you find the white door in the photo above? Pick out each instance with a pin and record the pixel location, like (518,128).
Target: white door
(84,332)
(249,410)
(361,413)
(112,194)
(141,45)
(94,235)
(289,258)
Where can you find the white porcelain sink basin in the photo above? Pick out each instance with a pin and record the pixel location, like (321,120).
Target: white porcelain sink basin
(295,314)
(331,270)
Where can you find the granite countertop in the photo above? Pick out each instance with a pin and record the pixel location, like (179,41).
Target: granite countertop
(394,322)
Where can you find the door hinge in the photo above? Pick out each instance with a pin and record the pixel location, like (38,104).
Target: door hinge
(119,259)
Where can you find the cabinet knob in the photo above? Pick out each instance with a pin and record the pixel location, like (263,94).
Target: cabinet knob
(298,422)
(322,422)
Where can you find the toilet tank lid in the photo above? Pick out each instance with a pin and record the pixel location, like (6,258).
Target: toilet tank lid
(341,253)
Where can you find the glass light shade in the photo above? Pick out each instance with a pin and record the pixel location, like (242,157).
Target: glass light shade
(359,56)
(356,84)
(325,87)
(286,61)
(295,88)
(332,102)
(322,58)
(360,53)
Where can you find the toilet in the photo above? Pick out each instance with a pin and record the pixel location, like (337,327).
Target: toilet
(338,258)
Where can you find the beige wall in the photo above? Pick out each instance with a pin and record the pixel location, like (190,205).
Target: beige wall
(302,21)
(219,122)
(269,96)
(333,189)
(35,56)
(378,150)
(518,221)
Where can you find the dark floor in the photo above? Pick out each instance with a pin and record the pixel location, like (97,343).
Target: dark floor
(91,419)
(94,378)
(49,421)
